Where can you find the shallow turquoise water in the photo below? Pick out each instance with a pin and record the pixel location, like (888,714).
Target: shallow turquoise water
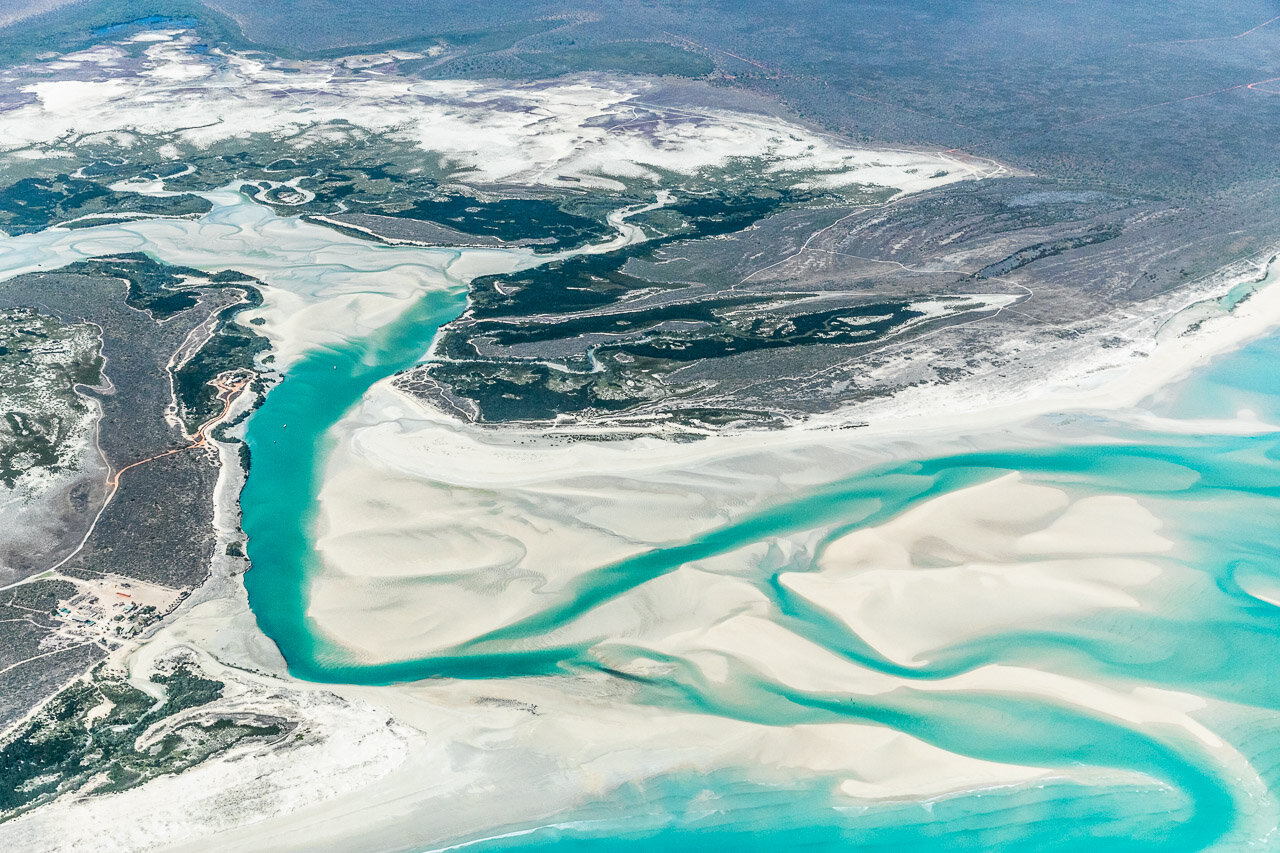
(287,438)
(1218,640)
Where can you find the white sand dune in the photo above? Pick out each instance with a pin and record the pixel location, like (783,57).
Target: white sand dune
(974,562)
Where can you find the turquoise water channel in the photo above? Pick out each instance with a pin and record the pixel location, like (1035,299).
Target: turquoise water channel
(1221,643)
(1124,786)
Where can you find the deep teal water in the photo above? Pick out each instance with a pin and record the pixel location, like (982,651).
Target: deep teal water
(1219,492)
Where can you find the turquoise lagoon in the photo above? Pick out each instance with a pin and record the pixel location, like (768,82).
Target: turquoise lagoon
(1217,490)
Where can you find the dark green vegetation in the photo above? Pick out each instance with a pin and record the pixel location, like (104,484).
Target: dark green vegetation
(512,219)
(153,287)
(318,180)
(158,527)
(164,291)
(33,204)
(367,177)
(589,282)
(1030,254)
(42,595)
(387,182)
(760,309)
(598,353)
(232,347)
(103,735)
(43,421)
